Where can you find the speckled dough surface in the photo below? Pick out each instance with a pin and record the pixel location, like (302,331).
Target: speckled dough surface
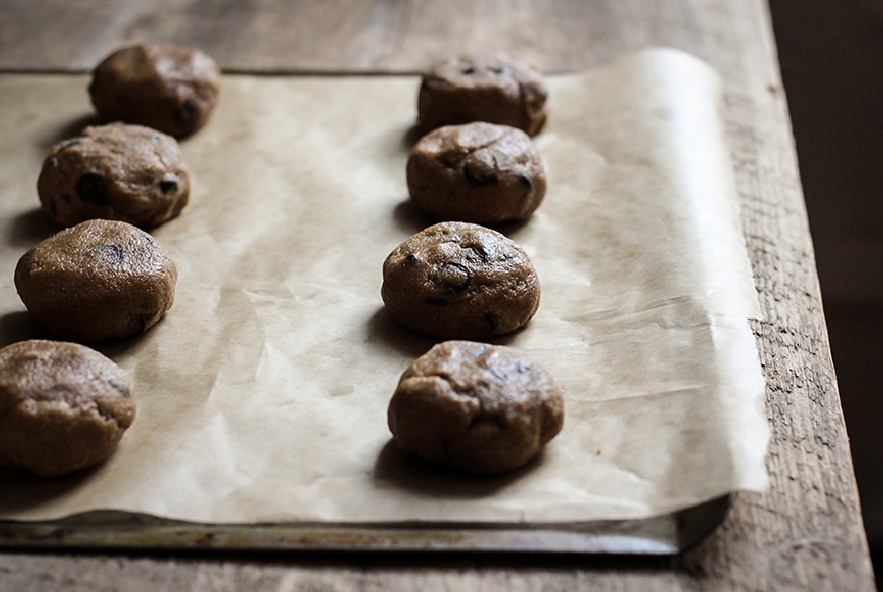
(63,406)
(101,279)
(479,408)
(173,89)
(117,171)
(494,88)
(476,172)
(457,280)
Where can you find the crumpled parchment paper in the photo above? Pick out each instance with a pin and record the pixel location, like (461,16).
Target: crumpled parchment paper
(263,393)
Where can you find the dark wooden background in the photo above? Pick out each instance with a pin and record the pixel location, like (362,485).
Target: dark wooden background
(805,533)
(831,54)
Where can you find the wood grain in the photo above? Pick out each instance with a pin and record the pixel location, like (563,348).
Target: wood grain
(805,533)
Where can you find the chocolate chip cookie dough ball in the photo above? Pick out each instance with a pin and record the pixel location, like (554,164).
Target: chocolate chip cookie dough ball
(63,407)
(117,171)
(476,172)
(101,279)
(496,88)
(478,408)
(172,89)
(457,280)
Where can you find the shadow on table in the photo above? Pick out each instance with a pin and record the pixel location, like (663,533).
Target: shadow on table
(71,129)
(411,220)
(384,331)
(19,326)
(411,136)
(405,472)
(29,228)
(22,491)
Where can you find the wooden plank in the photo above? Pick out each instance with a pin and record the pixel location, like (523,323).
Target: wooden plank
(341,35)
(57,35)
(804,533)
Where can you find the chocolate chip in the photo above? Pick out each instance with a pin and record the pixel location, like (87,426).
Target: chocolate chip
(469,70)
(412,258)
(186,112)
(526,181)
(491,320)
(92,188)
(168,186)
(109,254)
(482,252)
(453,277)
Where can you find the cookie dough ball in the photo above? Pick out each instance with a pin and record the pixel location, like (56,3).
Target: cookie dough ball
(479,408)
(476,172)
(63,407)
(101,279)
(117,171)
(172,89)
(457,280)
(496,88)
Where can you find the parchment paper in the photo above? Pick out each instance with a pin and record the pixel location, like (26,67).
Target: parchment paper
(262,395)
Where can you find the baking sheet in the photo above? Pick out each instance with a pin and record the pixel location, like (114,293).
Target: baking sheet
(262,395)
(663,535)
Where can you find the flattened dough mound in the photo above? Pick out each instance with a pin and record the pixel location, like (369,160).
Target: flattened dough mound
(117,171)
(493,88)
(173,89)
(101,279)
(476,172)
(484,409)
(457,280)
(63,407)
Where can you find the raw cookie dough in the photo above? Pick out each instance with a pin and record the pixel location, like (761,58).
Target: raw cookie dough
(479,408)
(117,171)
(457,280)
(101,279)
(493,88)
(476,172)
(173,89)
(63,407)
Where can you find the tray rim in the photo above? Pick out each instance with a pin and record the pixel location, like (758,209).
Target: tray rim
(105,530)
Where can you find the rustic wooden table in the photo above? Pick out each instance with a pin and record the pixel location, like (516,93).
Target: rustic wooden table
(805,533)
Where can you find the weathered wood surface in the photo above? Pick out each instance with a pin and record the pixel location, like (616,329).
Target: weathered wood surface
(805,533)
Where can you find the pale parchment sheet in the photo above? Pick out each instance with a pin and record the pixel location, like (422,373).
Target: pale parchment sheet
(262,395)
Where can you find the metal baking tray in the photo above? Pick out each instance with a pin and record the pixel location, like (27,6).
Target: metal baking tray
(114,530)
(664,535)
